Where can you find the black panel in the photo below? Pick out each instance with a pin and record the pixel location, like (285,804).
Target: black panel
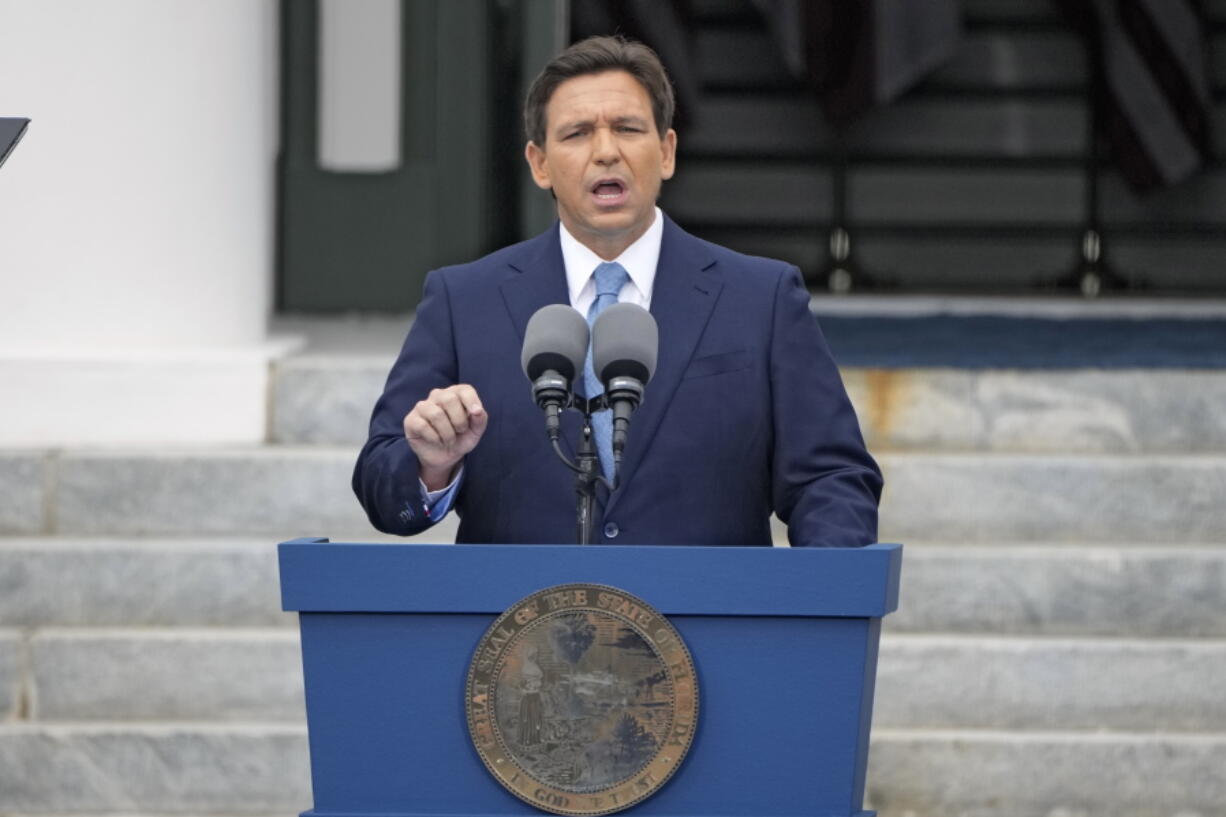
(975,180)
(918,126)
(713,193)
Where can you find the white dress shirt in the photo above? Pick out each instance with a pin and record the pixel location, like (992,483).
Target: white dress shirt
(639,260)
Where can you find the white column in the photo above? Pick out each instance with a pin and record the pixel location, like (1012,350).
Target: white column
(136,221)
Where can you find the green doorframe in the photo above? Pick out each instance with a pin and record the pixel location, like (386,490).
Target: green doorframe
(357,241)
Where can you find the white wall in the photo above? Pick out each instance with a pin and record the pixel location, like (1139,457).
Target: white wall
(136,220)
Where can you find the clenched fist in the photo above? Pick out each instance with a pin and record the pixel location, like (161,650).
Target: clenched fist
(442,429)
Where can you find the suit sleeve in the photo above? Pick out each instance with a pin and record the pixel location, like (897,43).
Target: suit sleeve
(385,478)
(826,486)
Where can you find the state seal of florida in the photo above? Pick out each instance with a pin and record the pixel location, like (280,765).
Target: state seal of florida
(581,699)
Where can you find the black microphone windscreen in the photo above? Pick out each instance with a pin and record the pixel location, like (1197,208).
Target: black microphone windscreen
(556,338)
(625,343)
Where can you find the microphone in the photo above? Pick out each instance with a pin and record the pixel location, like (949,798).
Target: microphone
(625,343)
(555,348)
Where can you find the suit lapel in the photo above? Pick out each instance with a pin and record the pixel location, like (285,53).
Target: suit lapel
(686,288)
(536,278)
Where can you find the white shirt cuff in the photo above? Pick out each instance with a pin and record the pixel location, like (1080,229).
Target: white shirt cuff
(438,503)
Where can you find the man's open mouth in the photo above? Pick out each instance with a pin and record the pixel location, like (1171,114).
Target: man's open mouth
(608,189)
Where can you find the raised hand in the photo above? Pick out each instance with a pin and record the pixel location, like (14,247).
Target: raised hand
(442,429)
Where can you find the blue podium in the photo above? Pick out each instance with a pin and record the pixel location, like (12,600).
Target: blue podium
(784,643)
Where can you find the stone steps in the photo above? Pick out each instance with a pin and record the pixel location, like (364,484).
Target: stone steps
(1005,589)
(1061,627)
(949,497)
(327,399)
(193,768)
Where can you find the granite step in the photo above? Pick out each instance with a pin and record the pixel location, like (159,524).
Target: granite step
(982,682)
(153,768)
(924,681)
(1083,499)
(1054,590)
(140,582)
(24,492)
(279,490)
(293,491)
(158,581)
(327,399)
(1044,411)
(13,663)
(287,492)
(982,773)
(190,768)
(1014,589)
(214,675)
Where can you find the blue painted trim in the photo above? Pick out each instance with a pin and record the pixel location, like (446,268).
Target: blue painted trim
(868,676)
(1006,342)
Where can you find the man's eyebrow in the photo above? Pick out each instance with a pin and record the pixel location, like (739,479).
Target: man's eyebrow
(629,120)
(587,122)
(572,124)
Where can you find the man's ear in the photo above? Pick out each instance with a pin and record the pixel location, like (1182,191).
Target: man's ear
(668,154)
(536,163)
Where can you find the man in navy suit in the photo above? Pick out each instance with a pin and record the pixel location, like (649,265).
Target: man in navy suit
(746,413)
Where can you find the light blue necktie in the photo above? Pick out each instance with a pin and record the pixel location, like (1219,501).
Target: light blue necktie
(610,278)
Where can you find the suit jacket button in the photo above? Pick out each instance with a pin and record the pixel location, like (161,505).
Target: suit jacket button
(611,530)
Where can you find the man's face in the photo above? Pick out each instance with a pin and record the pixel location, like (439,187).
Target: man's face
(603,159)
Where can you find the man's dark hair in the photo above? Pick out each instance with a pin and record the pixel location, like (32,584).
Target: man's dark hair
(595,55)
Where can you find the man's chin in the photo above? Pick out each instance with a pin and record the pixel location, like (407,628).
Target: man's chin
(616,222)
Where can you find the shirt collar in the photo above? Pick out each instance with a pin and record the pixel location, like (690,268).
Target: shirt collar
(639,259)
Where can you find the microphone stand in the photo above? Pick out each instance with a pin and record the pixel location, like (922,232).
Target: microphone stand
(587,469)
(586,476)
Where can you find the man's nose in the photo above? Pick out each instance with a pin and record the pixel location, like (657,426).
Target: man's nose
(604,147)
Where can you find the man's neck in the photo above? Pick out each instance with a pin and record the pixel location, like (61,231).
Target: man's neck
(606,247)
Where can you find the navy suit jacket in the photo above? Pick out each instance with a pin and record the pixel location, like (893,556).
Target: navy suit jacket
(745,415)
